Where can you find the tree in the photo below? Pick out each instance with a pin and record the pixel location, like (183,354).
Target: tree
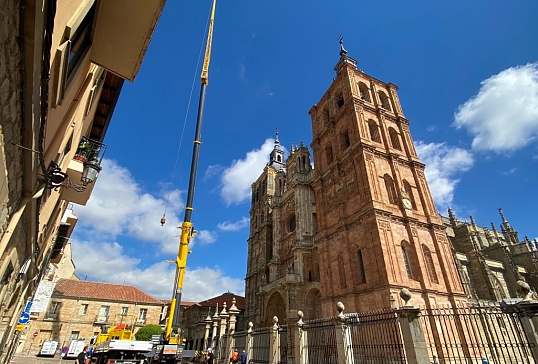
(145,332)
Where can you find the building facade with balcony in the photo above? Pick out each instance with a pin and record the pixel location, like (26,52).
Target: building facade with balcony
(78,310)
(62,67)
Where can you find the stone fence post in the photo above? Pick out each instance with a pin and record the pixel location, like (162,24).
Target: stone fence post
(300,352)
(248,344)
(343,337)
(214,337)
(223,320)
(233,311)
(416,349)
(274,343)
(529,319)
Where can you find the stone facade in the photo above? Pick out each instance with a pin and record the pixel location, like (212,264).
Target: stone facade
(78,310)
(62,66)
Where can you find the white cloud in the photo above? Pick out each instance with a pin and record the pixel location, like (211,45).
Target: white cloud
(234,226)
(443,163)
(237,179)
(119,207)
(106,262)
(205,237)
(510,171)
(503,116)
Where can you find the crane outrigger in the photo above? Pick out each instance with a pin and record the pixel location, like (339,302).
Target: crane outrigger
(171,334)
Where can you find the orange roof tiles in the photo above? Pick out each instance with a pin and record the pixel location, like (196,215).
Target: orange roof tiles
(102,291)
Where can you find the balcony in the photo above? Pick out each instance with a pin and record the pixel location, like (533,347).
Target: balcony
(100,319)
(83,171)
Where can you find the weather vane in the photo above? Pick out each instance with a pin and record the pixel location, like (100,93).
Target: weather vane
(342,49)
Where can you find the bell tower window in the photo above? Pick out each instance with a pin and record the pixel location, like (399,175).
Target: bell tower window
(391,189)
(384,100)
(364,93)
(394,139)
(374,131)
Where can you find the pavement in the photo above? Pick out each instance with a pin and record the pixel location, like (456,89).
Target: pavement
(33,359)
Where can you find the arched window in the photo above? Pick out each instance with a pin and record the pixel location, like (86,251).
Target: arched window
(364,93)
(340,100)
(385,102)
(429,264)
(374,131)
(342,271)
(329,154)
(391,190)
(344,140)
(409,191)
(360,276)
(394,139)
(406,262)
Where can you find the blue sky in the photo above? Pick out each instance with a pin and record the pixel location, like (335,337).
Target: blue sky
(467,73)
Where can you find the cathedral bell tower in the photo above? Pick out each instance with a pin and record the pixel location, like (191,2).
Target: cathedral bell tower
(378,229)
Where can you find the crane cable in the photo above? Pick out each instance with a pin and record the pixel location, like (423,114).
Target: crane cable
(163,219)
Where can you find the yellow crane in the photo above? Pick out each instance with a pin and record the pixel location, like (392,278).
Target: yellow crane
(171,333)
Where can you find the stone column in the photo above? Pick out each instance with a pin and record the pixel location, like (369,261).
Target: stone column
(274,343)
(233,311)
(300,352)
(416,350)
(223,320)
(248,344)
(529,317)
(207,322)
(215,319)
(343,337)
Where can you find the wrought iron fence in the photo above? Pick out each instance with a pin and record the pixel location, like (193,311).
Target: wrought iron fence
(321,341)
(261,345)
(284,344)
(376,337)
(240,338)
(469,334)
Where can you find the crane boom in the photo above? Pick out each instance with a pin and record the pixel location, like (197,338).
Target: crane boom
(187,233)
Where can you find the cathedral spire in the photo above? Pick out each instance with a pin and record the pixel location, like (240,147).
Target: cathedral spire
(276,157)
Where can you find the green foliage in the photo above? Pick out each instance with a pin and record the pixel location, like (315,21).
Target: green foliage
(145,332)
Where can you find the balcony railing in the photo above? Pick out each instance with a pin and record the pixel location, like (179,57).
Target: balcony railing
(100,319)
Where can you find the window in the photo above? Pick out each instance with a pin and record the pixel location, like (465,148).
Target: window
(74,335)
(326,117)
(394,139)
(374,131)
(344,140)
(364,93)
(142,313)
(103,313)
(124,310)
(292,224)
(429,264)
(340,101)
(406,263)
(361,277)
(329,154)
(391,190)
(54,307)
(80,42)
(409,191)
(384,100)
(83,309)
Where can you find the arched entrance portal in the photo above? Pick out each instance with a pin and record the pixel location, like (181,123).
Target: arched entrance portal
(312,310)
(275,307)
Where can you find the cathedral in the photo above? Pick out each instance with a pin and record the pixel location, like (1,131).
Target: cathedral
(362,224)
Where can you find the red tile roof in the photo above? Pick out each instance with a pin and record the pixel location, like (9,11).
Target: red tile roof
(102,291)
(226,297)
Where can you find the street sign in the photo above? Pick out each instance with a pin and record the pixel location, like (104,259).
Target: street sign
(28,307)
(19,327)
(35,334)
(25,317)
